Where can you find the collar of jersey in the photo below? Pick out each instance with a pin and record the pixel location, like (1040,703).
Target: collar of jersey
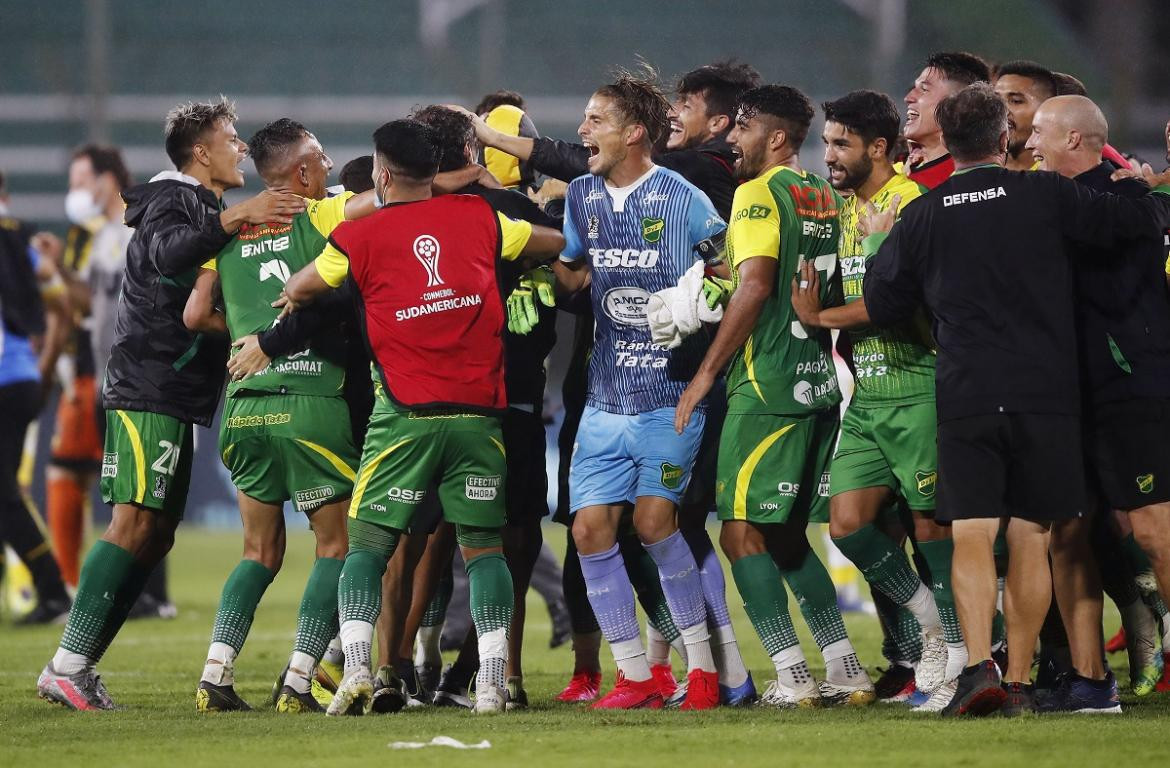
(976,167)
(777,168)
(619,195)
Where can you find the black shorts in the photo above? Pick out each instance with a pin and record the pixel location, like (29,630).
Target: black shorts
(1024,465)
(699,499)
(526,486)
(1127,447)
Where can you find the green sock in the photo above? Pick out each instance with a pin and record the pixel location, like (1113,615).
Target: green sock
(766,602)
(817,598)
(359,588)
(106,570)
(237,605)
(124,602)
(938,555)
(436,612)
(644,578)
(317,620)
(881,563)
(490,582)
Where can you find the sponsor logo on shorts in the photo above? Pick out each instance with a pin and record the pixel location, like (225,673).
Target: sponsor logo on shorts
(109,465)
(672,476)
(926,483)
(311,498)
(160,487)
(823,486)
(258,420)
(652,229)
(405,495)
(1145,483)
(788,489)
(627,306)
(482,488)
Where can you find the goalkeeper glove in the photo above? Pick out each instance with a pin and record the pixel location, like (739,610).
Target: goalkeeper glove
(716,291)
(535,285)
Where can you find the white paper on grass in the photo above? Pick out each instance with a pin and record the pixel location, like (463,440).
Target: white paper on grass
(439,741)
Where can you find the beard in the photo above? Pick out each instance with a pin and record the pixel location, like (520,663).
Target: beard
(855,175)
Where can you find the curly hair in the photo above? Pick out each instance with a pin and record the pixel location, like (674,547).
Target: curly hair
(869,114)
(187,123)
(454,131)
(791,108)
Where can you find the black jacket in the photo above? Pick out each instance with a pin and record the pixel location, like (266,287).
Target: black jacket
(1123,308)
(708,166)
(156,364)
(21,308)
(989,253)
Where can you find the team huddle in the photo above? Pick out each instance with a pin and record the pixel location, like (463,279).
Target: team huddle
(991,271)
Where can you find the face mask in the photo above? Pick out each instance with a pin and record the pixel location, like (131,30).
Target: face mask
(81,207)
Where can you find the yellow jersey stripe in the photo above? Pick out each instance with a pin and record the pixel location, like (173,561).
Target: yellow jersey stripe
(139,456)
(499,445)
(345,470)
(366,472)
(749,363)
(744,478)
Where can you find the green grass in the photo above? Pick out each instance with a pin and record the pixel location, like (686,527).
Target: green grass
(154,666)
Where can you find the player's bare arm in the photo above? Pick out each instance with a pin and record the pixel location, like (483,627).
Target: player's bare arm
(757,275)
(200,314)
(272,206)
(806,300)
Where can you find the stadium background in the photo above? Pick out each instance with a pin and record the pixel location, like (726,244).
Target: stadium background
(107,70)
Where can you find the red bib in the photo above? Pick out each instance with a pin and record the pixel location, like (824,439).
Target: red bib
(434,317)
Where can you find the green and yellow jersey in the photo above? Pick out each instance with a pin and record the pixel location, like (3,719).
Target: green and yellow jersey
(253,269)
(893,366)
(784,368)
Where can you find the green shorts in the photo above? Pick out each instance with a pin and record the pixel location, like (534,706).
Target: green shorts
(289,447)
(775,468)
(895,446)
(147,461)
(406,452)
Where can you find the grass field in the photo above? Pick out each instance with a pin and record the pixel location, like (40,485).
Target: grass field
(153,668)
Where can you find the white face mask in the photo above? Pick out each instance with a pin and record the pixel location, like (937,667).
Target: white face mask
(81,207)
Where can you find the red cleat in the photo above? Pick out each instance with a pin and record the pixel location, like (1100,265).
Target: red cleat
(584,686)
(630,694)
(665,677)
(702,690)
(1164,684)
(1117,642)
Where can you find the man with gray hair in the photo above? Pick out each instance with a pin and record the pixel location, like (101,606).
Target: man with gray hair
(1123,313)
(160,381)
(988,252)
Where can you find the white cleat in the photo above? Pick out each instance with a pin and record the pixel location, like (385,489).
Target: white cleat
(856,692)
(780,696)
(931,669)
(493,701)
(939,699)
(353,696)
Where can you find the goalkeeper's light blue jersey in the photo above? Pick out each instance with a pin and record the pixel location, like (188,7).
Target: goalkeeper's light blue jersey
(638,240)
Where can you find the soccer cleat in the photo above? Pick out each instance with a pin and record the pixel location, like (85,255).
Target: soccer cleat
(583,686)
(452,692)
(428,680)
(491,701)
(1021,699)
(517,696)
(1163,685)
(702,691)
(81,691)
(896,684)
(218,698)
(1084,696)
(353,696)
(931,669)
(278,686)
(978,692)
(630,694)
(46,612)
(743,695)
(667,685)
(389,691)
(290,701)
(329,675)
(855,693)
(1116,643)
(780,696)
(938,700)
(1000,657)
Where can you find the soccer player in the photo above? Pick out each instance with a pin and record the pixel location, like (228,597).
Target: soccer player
(1008,403)
(435,332)
(782,399)
(279,434)
(942,75)
(160,381)
(634,228)
(1124,334)
(1023,86)
(888,435)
